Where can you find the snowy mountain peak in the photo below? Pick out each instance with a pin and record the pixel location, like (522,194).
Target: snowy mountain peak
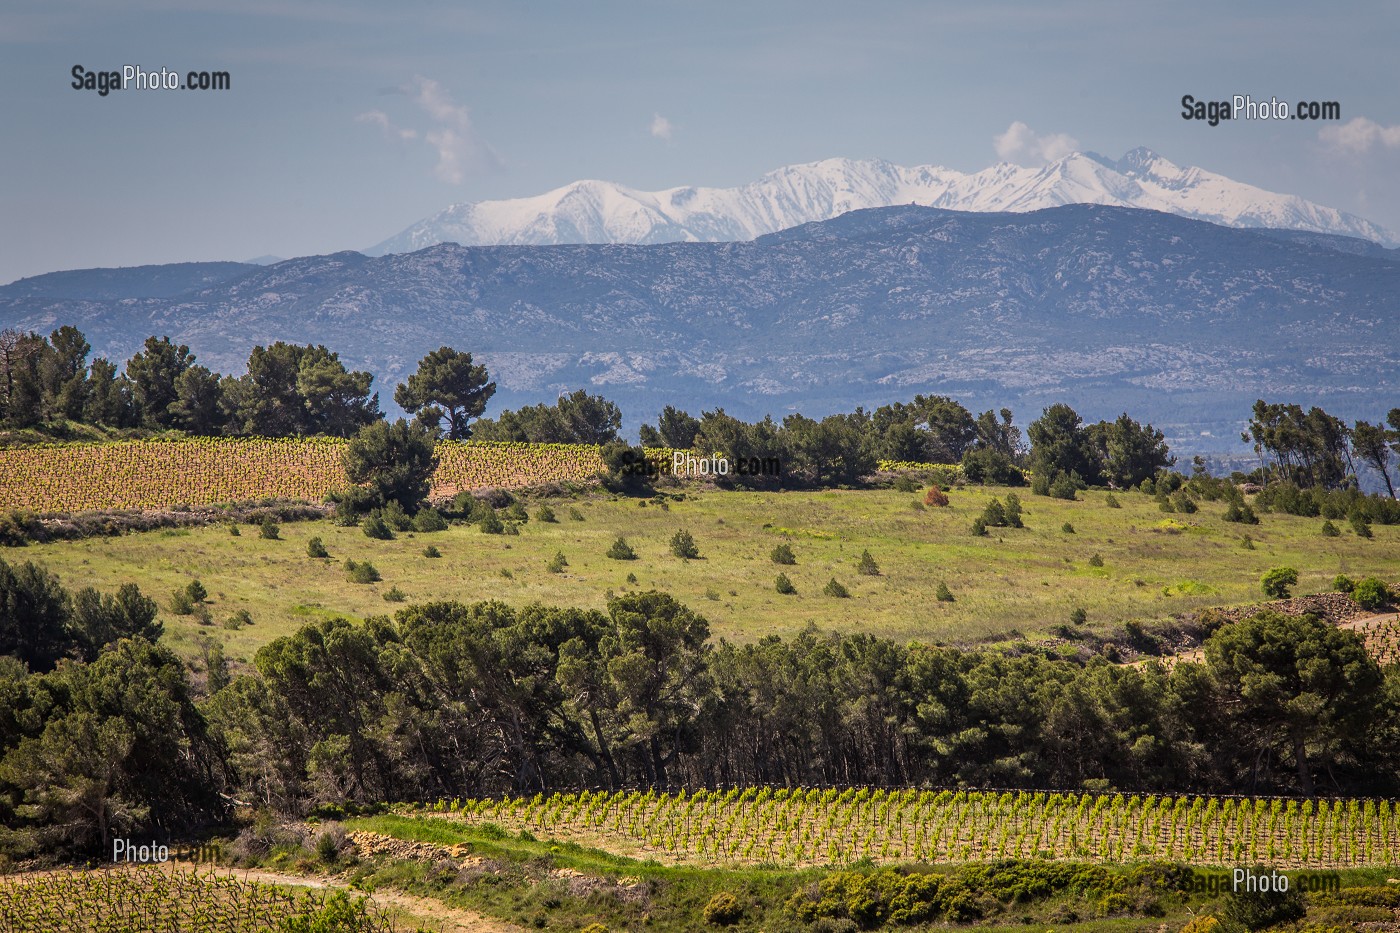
(593,211)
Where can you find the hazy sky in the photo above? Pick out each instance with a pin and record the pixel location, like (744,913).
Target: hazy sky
(347,121)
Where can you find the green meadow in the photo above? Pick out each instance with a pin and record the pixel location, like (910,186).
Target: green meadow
(1010,584)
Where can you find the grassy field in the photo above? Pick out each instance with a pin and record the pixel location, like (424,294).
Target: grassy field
(1010,583)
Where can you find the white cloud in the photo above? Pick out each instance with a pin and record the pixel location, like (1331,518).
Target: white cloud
(459,150)
(381,119)
(660,127)
(1359,135)
(1024,146)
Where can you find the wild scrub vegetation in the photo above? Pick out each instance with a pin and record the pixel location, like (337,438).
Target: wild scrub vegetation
(1151,566)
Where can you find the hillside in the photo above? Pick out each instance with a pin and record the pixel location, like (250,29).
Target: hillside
(1012,584)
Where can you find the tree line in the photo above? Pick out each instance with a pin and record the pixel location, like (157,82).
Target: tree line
(102,732)
(297,390)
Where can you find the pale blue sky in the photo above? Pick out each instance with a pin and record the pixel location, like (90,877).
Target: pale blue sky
(348,121)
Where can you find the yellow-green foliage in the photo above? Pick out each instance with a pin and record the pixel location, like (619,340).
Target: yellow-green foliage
(153,900)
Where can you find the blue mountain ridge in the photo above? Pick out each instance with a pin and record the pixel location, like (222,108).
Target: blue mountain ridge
(1179,322)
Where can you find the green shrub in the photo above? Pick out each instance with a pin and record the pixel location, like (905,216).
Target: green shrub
(374,526)
(723,910)
(1371,593)
(621,550)
(1067,528)
(316,548)
(632,579)
(575,515)
(683,545)
(1063,487)
(1013,510)
(979,527)
(1183,503)
(511,528)
(233,530)
(491,524)
(180,602)
(515,512)
(1359,524)
(396,518)
(834,588)
(1096,561)
(1343,583)
(993,515)
(238,620)
(784,585)
(1276,582)
(395,595)
(867,565)
(362,572)
(196,591)
(431,551)
(557,563)
(1112,501)
(1078,616)
(429,520)
(782,554)
(1040,485)
(944,595)
(545,514)
(1330,530)
(269,530)
(1241,512)
(1247,543)
(1260,910)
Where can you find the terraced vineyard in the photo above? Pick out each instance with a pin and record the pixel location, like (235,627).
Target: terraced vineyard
(153,899)
(151,474)
(803,827)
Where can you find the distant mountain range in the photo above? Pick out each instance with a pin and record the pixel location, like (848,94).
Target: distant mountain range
(604,212)
(1179,322)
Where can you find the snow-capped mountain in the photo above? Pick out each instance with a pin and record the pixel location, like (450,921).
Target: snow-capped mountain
(604,212)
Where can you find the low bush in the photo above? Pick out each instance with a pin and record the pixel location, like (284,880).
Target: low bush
(723,909)
(867,565)
(782,554)
(621,550)
(1371,594)
(362,572)
(374,526)
(683,545)
(784,585)
(316,548)
(431,551)
(1277,582)
(557,563)
(429,520)
(834,588)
